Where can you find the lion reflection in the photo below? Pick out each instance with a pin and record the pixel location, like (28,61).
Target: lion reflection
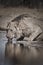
(20,54)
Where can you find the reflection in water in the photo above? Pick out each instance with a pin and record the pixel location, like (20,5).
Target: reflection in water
(18,54)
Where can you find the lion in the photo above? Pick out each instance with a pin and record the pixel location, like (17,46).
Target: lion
(23,27)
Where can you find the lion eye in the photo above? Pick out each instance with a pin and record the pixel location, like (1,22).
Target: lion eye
(15,26)
(11,30)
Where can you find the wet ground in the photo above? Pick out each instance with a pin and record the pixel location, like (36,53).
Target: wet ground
(6,15)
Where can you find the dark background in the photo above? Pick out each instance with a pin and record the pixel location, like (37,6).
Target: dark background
(26,3)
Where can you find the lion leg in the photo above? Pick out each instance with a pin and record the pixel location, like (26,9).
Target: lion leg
(34,35)
(40,38)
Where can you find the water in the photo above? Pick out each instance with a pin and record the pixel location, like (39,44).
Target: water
(3,42)
(3,61)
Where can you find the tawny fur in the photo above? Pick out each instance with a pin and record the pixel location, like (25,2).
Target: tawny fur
(23,26)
